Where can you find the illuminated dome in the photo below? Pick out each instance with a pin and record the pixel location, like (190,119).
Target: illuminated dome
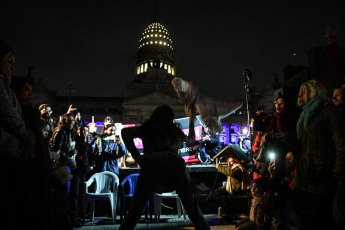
(155,50)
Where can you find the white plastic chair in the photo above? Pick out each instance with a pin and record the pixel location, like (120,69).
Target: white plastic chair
(105,188)
(158,197)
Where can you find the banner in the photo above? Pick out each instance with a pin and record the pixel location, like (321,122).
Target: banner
(188,153)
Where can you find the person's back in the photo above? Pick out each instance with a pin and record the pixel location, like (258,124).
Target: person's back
(160,135)
(162,169)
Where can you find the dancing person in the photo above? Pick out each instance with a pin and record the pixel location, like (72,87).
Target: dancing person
(162,169)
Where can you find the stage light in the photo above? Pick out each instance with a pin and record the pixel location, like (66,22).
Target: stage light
(245,130)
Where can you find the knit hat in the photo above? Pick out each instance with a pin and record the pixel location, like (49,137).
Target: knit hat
(261,182)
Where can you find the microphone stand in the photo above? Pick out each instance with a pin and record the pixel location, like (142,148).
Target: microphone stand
(247,77)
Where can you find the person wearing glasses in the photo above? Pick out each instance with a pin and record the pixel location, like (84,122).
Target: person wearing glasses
(283,120)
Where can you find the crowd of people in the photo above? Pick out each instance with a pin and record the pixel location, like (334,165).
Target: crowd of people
(296,181)
(45,160)
(297,176)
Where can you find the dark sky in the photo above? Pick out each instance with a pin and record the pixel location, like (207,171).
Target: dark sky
(94,43)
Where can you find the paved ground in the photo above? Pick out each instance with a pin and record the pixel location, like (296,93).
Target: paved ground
(166,222)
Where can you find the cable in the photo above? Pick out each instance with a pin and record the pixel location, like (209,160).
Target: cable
(166,206)
(214,184)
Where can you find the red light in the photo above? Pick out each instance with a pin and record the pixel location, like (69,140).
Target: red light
(294,54)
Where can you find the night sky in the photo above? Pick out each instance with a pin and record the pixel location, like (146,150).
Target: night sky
(94,43)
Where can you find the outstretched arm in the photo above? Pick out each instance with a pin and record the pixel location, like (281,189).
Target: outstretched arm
(191,133)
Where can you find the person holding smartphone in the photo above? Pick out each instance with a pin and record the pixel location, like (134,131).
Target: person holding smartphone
(112,150)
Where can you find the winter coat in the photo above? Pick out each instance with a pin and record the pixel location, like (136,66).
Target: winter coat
(111,151)
(238,180)
(84,156)
(61,140)
(12,127)
(323,152)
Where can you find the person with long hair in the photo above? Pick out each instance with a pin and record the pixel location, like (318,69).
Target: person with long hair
(162,169)
(61,144)
(36,160)
(12,136)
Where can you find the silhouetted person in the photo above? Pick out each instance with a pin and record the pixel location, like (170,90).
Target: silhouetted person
(12,136)
(162,169)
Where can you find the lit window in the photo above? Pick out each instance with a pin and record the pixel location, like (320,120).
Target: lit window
(169,69)
(160,42)
(165,43)
(156,35)
(151,42)
(141,68)
(146,67)
(138,70)
(165,66)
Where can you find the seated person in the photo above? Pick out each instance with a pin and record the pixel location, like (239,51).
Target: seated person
(258,187)
(236,188)
(210,145)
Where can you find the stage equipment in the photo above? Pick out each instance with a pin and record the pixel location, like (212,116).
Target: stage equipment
(248,90)
(233,149)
